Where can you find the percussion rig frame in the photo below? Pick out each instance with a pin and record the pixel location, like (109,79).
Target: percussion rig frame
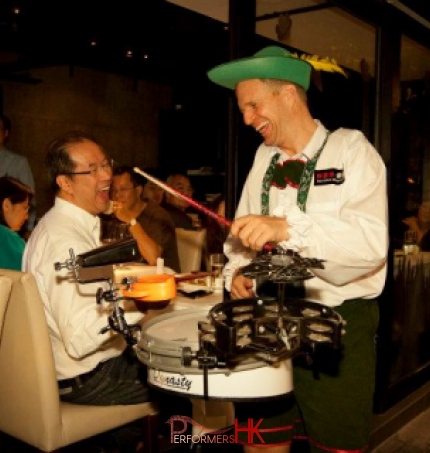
(71,264)
(116,319)
(272,329)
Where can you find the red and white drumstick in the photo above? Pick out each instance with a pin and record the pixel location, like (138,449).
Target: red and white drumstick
(197,205)
(177,194)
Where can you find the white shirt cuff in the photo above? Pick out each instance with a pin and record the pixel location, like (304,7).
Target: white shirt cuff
(299,225)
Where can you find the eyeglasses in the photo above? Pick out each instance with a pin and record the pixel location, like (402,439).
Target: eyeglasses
(106,167)
(122,189)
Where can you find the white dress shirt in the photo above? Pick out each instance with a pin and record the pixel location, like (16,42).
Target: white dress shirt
(74,318)
(344,224)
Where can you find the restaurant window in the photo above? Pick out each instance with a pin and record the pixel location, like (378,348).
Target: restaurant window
(409,336)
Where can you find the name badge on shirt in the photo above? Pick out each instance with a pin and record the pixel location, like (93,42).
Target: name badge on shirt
(329,176)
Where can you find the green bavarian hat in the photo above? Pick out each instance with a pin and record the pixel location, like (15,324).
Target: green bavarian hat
(272,62)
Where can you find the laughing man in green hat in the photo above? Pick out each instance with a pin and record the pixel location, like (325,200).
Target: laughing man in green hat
(323,195)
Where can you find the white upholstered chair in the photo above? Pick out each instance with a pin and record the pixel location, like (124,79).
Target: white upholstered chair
(190,248)
(30,407)
(5,288)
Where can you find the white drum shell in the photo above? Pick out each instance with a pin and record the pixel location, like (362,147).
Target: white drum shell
(161,349)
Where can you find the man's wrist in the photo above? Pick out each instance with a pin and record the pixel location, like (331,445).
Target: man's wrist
(132,222)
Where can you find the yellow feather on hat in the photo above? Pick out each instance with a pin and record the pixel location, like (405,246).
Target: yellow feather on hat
(321,64)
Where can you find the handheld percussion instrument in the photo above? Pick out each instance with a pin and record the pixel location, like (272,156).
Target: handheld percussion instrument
(98,264)
(151,288)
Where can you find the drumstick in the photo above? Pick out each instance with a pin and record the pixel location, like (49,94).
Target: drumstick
(197,205)
(177,194)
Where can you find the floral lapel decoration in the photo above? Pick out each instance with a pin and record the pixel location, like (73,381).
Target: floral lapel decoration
(289,173)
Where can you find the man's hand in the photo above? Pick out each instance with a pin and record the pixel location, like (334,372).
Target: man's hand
(241,287)
(122,213)
(255,231)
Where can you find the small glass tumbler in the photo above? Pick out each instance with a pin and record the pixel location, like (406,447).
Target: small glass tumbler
(216,265)
(108,233)
(410,242)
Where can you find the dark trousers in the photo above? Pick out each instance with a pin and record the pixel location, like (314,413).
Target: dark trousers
(121,380)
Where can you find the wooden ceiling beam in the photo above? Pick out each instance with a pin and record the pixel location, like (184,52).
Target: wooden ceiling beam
(304,9)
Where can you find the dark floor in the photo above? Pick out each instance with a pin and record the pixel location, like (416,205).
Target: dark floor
(414,437)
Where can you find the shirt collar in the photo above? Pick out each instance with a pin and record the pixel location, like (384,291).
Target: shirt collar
(315,142)
(309,150)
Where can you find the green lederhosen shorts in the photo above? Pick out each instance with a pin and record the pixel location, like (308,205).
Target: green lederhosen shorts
(331,405)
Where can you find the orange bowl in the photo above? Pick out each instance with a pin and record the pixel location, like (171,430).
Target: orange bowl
(152,288)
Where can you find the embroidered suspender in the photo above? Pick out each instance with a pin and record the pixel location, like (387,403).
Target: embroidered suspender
(306,178)
(266,184)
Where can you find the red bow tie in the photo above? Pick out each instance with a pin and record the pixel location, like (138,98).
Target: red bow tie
(288,173)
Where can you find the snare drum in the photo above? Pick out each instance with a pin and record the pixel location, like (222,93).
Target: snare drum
(161,348)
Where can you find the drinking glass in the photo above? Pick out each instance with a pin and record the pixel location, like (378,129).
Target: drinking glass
(108,233)
(216,264)
(122,232)
(112,231)
(410,242)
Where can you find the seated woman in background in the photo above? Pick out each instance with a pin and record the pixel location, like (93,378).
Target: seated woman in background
(15,200)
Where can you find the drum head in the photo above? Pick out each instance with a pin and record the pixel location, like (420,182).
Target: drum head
(168,338)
